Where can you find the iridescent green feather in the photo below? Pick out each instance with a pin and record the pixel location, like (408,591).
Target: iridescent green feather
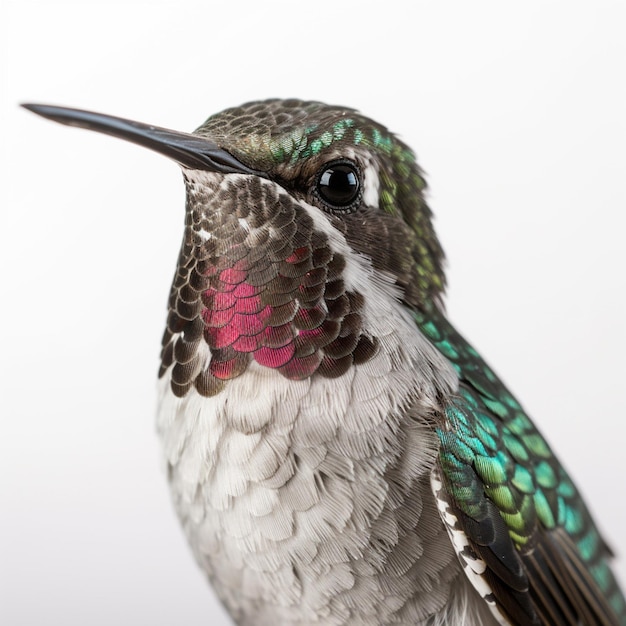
(490,447)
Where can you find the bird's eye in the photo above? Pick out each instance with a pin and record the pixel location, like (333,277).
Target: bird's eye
(338,186)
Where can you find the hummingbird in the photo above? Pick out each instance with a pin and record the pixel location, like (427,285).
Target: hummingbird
(337,452)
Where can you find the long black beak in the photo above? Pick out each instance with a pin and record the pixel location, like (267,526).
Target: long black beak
(188,150)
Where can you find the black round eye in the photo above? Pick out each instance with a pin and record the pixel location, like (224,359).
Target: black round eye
(338,185)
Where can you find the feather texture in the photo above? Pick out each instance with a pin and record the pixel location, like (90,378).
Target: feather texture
(519,512)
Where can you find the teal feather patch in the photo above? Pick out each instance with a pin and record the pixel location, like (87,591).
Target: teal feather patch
(493,459)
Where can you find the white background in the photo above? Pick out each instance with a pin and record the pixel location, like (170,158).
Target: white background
(517,113)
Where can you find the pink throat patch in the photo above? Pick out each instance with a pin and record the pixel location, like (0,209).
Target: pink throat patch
(293,323)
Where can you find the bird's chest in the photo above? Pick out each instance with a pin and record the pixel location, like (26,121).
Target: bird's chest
(289,490)
(301,499)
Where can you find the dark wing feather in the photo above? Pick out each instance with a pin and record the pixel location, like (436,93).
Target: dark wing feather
(520,527)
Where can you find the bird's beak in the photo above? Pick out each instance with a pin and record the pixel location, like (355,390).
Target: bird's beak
(191,151)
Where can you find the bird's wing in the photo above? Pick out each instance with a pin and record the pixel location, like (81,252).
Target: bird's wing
(519,526)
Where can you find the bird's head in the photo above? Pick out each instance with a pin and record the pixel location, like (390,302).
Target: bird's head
(300,217)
